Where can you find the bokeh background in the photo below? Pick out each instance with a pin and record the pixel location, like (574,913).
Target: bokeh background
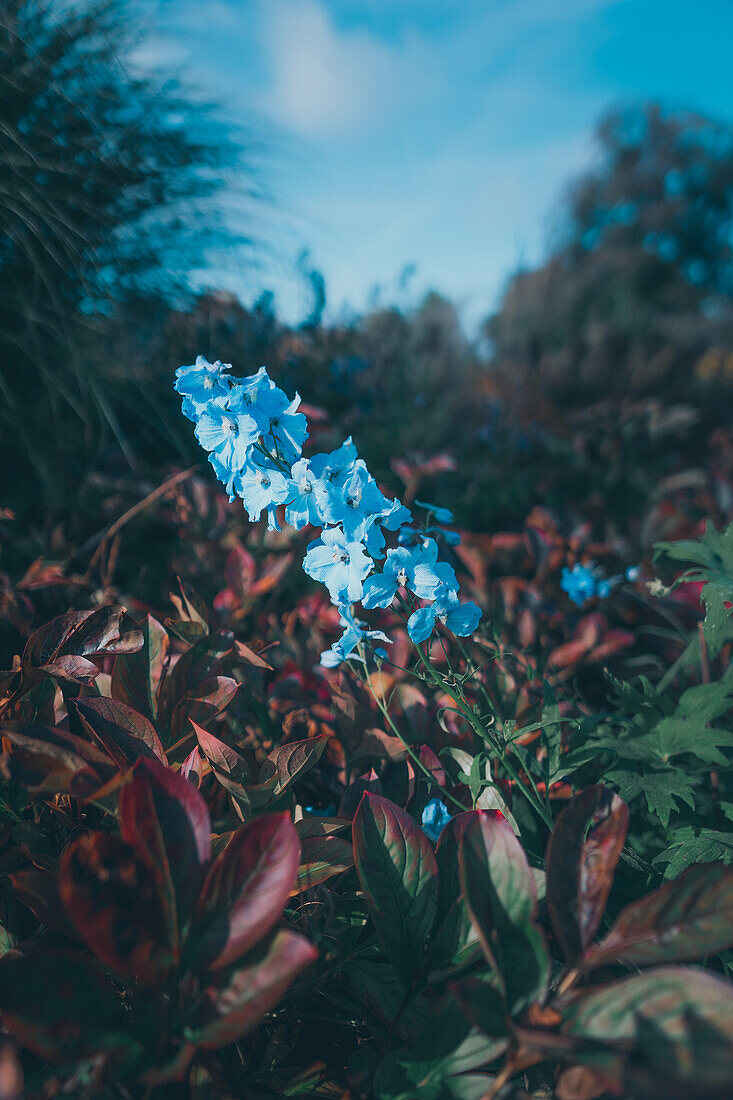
(491,240)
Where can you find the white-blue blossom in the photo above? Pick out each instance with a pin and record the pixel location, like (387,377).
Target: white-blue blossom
(254,435)
(459,618)
(339,563)
(354,632)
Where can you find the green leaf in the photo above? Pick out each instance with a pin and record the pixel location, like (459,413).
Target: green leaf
(398,874)
(711,558)
(674,1024)
(683,920)
(499,889)
(688,847)
(662,790)
(584,850)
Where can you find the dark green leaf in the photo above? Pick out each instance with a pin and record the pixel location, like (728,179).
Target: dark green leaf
(398,874)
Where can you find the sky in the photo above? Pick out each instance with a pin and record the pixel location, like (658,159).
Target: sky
(424,144)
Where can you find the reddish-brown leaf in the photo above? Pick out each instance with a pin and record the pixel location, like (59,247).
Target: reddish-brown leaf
(584,849)
(113,900)
(123,733)
(166,821)
(245,891)
(242,999)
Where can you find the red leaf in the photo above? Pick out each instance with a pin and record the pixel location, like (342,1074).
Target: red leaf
(114,903)
(166,821)
(584,849)
(234,1007)
(122,732)
(245,890)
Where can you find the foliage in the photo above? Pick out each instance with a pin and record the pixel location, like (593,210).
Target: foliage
(636,296)
(213,847)
(105,194)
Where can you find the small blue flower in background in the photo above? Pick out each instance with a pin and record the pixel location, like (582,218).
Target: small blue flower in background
(339,563)
(460,618)
(633,573)
(583,583)
(435,817)
(442,515)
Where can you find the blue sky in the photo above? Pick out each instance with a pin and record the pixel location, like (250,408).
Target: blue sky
(438,133)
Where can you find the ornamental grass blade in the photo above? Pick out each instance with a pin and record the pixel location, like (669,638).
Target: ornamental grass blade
(245,891)
(500,892)
(234,1006)
(685,919)
(584,849)
(113,901)
(398,874)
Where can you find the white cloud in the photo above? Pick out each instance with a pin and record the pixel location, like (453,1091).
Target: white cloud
(325,82)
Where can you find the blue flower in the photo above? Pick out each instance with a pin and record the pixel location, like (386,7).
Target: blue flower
(288,429)
(459,618)
(579,583)
(336,466)
(417,570)
(262,487)
(355,504)
(435,817)
(442,515)
(228,432)
(349,640)
(201,383)
(339,563)
(632,573)
(302,505)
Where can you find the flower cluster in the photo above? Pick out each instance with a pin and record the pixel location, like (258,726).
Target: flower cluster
(254,435)
(583,583)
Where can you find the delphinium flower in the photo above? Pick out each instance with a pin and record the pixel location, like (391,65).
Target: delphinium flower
(583,583)
(201,383)
(353,634)
(459,618)
(254,435)
(435,817)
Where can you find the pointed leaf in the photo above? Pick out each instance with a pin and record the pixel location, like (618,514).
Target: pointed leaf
(584,849)
(500,892)
(166,821)
(289,762)
(398,874)
(685,919)
(675,1022)
(235,1006)
(137,676)
(120,731)
(321,858)
(245,891)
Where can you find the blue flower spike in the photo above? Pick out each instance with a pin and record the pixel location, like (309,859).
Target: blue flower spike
(254,435)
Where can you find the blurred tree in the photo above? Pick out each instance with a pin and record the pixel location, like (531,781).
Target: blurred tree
(640,285)
(108,178)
